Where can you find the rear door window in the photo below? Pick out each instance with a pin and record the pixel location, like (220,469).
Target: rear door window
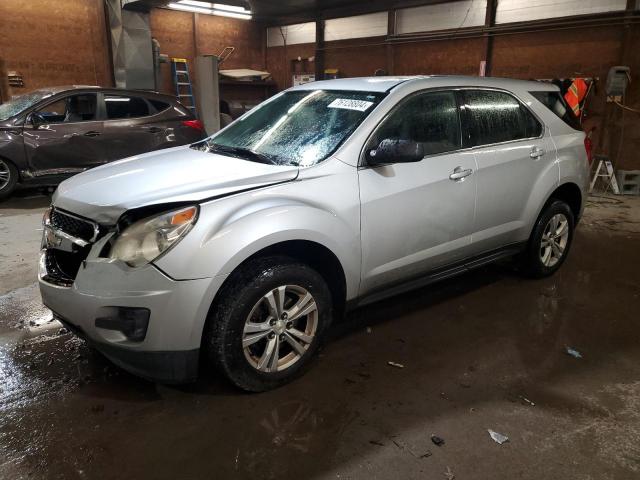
(554,102)
(496,117)
(123,106)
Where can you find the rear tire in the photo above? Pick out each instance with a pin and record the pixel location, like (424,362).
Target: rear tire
(268,323)
(550,240)
(8,178)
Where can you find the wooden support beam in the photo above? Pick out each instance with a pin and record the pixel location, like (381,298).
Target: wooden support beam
(391,30)
(489,21)
(319,55)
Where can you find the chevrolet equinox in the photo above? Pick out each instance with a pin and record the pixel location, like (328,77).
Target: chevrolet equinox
(244,247)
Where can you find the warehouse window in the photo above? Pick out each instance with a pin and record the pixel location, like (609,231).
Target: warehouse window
(495,117)
(429,118)
(119,106)
(554,102)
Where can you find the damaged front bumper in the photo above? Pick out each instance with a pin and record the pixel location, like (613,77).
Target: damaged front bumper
(106,304)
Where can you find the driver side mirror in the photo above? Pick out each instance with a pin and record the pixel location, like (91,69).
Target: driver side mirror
(395,151)
(36,120)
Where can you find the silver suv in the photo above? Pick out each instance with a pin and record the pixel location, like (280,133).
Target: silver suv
(243,248)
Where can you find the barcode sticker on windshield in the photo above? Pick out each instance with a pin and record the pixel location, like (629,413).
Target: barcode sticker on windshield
(346,103)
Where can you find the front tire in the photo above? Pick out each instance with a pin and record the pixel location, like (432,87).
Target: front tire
(268,323)
(550,241)
(8,178)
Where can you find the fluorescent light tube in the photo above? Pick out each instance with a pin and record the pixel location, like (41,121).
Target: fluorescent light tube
(189,8)
(231,8)
(196,3)
(222,13)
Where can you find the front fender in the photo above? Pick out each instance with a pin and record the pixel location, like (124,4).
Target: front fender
(230,230)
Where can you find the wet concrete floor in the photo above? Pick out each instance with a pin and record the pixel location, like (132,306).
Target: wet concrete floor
(483,351)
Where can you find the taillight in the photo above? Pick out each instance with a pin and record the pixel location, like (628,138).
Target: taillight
(588,146)
(197,124)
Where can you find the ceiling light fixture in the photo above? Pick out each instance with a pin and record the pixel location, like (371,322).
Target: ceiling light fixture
(189,8)
(196,3)
(231,8)
(224,13)
(210,8)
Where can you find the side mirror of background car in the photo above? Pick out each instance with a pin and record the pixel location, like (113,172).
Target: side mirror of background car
(36,120)
(395,151)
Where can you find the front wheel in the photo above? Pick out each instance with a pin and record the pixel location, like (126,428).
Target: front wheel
(550,241)
(268,323)
(8,178)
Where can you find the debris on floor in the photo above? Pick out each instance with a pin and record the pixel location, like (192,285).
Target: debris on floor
(498,437)
(526,400)
(437,440)
(394,364)
(449,475)
(574,353)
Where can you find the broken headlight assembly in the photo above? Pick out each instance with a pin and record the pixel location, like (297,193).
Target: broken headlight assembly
(145,240)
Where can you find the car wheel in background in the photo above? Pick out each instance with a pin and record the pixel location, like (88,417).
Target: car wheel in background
(550,241)
(8,178)
(269,321)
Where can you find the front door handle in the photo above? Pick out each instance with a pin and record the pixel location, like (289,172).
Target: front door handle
(537,152)
(92,133)
(459,174)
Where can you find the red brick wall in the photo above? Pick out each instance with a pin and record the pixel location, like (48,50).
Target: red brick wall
(448,57)
(55,42)
(279,63)
(175,32)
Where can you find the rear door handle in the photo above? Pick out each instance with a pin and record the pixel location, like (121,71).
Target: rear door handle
(537,152)
(154,130)
(459,174)
(92,133)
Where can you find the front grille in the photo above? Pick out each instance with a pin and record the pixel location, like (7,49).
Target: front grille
(62,262)
(74,226)
(55,274)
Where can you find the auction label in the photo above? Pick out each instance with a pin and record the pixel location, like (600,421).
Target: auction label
(348,104)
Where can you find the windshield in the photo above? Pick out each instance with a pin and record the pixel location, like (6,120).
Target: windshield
(296,128)
(21,102)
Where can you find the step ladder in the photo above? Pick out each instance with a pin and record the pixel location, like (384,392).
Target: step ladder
(605,172)
(182,83)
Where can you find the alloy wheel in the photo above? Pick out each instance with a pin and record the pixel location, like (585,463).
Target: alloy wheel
(554,240)
(5,174)
(280,328)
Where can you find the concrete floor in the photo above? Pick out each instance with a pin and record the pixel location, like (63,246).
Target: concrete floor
(483,351)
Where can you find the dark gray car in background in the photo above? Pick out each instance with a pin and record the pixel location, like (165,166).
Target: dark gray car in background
(50,134)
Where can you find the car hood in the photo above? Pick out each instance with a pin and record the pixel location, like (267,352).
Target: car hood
(180,174)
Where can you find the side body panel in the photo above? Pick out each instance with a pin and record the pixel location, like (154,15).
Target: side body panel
(64,147)
(510,182)
(414,217)
(12,146)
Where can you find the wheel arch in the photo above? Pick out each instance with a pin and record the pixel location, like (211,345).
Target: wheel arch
(317,256)
(571,194)
(568,192)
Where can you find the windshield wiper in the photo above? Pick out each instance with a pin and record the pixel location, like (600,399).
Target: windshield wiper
(243,153)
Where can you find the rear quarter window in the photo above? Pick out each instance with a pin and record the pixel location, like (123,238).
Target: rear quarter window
(496,117)
(159,106)
(554,102)
(121,106)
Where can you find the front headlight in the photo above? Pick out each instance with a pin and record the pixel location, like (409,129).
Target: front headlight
(144,241)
